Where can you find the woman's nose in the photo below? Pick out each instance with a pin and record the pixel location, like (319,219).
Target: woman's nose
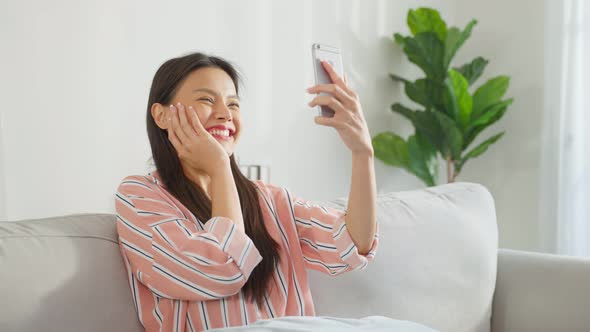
(223,112)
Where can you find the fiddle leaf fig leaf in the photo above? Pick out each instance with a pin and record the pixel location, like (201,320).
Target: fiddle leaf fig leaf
(490,116)
(423,159)
(489,93)
(426,20)
(490,113)
(478,150)
(452,138)
(425,92)
(391,149)
(458,99)
(455,39)
(404,111)
(398,78)
(399,39)
(427,52)
(473,70)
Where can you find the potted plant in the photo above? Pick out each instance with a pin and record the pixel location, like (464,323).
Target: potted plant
(452,112)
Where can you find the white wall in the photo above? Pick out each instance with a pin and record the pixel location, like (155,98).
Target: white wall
(76,78)
(511,35)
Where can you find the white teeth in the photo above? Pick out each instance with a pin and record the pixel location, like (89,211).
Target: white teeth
(219,132)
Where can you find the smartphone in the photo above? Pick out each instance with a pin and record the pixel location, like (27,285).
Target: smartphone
(333,56)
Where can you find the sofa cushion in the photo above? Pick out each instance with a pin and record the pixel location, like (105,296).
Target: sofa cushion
(436,262)
(64,274)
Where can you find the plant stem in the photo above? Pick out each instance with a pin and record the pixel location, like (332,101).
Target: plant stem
(451,171)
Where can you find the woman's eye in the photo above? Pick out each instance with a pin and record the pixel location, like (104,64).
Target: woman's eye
(207,100)
(234,105)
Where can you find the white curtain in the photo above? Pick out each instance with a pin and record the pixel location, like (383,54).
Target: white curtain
(565,208)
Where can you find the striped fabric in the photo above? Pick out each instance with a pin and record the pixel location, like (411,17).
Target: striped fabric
(187,275)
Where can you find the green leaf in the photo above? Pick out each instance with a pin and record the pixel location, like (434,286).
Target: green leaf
(427,125)
(452,143)
(436,127)
(427,52)
(478,150)
(425,92)
(423,159)
(424,122)
(399,39)
(391,149)
(473,70)
(398,78)
(440,131)
(401,109)
(488,94)
(455,39)
(426,20)
(491,112)
(458,99)
(491,116)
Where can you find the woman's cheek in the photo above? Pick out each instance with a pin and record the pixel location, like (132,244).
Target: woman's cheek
(203,119)
(202,113)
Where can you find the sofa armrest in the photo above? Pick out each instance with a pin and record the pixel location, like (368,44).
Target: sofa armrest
(541,292)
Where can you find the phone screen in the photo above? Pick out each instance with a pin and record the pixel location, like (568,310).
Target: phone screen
(333,57)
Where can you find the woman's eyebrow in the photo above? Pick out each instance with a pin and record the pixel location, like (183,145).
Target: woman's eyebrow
(209,91)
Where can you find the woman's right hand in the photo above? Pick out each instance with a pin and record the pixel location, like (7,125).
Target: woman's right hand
(195,147)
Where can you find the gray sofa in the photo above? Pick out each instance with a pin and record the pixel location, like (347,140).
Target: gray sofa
(437,264)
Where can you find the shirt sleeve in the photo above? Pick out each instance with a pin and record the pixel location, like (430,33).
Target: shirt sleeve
(325,241)
(174,257)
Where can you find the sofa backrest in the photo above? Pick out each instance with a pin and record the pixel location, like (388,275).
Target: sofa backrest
(436,262)
(64,274)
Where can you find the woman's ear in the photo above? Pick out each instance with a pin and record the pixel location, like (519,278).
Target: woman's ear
(160,115)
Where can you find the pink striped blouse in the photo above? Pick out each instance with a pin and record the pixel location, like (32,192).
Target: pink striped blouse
(187,275)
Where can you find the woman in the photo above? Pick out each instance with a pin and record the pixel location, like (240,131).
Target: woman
(203,246)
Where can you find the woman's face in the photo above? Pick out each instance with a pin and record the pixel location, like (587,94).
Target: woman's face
(211,92)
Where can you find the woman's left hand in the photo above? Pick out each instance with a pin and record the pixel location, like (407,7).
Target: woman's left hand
(348,117)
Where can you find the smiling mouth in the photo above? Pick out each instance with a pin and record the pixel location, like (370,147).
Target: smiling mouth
(225,135)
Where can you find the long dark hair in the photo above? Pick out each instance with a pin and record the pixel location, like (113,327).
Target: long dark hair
(164,86)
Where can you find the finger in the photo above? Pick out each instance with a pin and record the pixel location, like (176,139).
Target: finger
(336,79)
(325,121)
(195,122)
(172,136)
(333,91)
(182,138)
(185,125)
(325,100)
